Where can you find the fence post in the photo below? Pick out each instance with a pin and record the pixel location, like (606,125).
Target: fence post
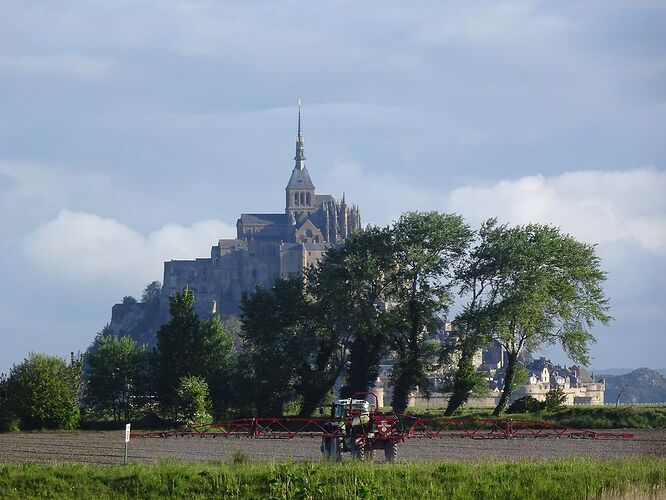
(127,439)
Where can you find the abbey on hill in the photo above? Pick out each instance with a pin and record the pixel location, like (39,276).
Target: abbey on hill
(266,247)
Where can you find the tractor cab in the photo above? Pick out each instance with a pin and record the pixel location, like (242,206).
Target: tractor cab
(343,408)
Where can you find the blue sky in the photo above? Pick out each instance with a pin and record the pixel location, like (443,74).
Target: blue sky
(137,131)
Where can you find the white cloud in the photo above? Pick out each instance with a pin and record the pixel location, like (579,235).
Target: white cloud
(81,247)
(31,193)
(595,206)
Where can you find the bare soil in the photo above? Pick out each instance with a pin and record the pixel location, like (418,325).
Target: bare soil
(108,447)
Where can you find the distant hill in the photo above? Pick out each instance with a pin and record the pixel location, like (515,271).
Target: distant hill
(621,371)
(612,371)
(639,386)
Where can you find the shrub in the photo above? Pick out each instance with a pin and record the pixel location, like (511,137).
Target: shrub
(42,394)
(555,399)
(192,401)
(8,421)
(526,404)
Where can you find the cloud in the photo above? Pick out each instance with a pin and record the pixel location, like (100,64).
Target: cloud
(31,193)
(79,247)
(37,181)
(595,206)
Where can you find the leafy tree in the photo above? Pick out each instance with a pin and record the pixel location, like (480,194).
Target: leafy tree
(544,287)
(214,350)
(192,401)
(295,339)
(427,246)
(117,377)
(555,399)
(129,300)
(151,293)
(40,393)
(276,342)
(477,277)
(8,421)
(352,292)
(187,346)
(175,350)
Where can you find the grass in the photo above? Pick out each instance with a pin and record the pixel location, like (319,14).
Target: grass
(589,417)
(555,479)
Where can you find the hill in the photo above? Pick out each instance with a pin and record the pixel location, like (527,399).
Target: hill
(640,386)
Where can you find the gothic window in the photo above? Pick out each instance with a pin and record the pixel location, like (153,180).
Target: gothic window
(302,200)
(308,199)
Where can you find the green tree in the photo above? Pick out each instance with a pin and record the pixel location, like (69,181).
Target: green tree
(276,341)
(555,399)
(215,355)
(545,287)
(151,293)
(175,349)
(8,421)
(117,377)
(474,276)
(188,346)
(192,401)
(40,393)
(427,247)
(352,289)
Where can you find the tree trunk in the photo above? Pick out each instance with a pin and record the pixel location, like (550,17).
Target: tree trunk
(508,383)
(464,380)
(313,398)
(407,378)
(364,360)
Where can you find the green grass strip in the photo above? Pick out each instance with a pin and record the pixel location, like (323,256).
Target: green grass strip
(589,417)
(543,480)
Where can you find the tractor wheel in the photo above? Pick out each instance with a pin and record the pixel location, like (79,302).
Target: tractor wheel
(329,449)
(338,448)
(391,451)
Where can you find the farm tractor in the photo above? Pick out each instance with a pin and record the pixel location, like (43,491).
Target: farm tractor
(359,429)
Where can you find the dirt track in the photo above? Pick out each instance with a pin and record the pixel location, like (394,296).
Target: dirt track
(107,448)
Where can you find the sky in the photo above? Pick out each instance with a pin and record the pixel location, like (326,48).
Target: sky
(133,132)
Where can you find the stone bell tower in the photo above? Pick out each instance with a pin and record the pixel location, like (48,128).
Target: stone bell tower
(300,191)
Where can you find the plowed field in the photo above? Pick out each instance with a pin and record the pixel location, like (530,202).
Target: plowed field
(107,448)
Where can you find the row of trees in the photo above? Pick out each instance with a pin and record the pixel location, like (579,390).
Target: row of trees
(384,292)
(381,295)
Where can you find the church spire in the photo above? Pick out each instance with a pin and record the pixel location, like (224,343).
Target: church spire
(300,150)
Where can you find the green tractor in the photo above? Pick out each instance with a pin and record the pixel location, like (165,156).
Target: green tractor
(360,430)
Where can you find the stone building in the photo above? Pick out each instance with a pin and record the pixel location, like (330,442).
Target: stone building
(579,387)
(266,246)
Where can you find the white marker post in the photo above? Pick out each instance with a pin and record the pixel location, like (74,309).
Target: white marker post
(127,439)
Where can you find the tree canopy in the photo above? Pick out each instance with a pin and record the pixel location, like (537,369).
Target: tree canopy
(537,286)
(118,378)
(42,393)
